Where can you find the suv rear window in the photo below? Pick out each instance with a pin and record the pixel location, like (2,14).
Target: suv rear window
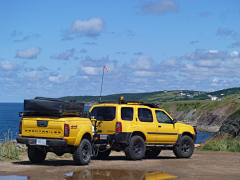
(104,113)
(127,113)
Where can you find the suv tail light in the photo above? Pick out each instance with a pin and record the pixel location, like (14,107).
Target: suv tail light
(66,130)
(20,127)
(118,127)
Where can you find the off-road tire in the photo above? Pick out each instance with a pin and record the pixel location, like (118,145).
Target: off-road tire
(136,148)
(185,148)
(103,155)
(35,155)
(152,153)
(83,153)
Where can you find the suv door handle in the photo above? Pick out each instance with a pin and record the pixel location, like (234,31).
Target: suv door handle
(159,126)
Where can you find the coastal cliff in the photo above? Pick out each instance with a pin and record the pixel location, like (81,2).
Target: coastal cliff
(206,115)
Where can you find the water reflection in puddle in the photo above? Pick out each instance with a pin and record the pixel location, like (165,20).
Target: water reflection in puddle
(110,174)
(13,177)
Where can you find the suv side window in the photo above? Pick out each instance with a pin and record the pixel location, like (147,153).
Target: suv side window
(145,115)
(162,117)
(104,113)
(127,113)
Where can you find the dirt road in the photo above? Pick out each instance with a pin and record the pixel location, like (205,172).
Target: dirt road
(202,165)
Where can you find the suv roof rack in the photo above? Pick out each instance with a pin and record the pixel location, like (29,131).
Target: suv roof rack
(121,101)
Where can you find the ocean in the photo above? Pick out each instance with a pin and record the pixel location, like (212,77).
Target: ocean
(9,122)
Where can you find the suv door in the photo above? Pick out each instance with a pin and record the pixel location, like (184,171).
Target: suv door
(146,124)
(167,132)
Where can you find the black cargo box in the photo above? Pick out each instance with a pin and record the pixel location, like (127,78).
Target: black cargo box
(42,105)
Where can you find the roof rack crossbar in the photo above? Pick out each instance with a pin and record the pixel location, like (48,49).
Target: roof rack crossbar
(152,105)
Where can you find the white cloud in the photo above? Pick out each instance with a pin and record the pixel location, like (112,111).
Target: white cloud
(232,63)
(59,79)
(137,80)
(208,63)
(194,72)
(7,66)
(170,64)
(33,75)
(143,63)
(89,62)
(160,80)
(42,68)
(90,70)
(91,28)
(160,7)
(54,73)
(205,64)
(29,53)
(215,80)
(16,33)
(201,54)
(213,51)
(143,74)
(234,54)
(65,55)
(205,14)
(84,78)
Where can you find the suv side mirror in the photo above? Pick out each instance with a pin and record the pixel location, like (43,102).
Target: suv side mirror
(174,121)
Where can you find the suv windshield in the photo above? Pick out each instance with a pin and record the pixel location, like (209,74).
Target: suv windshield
(104,113)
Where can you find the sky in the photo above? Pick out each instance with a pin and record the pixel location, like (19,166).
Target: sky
(59,48)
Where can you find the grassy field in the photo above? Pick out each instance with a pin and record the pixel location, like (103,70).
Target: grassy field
(221,144)
(200,105)
(162,96)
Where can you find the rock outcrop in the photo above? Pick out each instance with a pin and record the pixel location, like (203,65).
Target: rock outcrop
(231,126)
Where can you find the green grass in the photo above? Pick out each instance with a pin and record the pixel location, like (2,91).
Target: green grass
(160,96)
(200,105)
(8,150)
(221,144)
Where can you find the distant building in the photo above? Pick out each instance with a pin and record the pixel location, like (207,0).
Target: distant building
(214,98)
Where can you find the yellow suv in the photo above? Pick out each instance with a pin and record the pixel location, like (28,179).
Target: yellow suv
(140,129)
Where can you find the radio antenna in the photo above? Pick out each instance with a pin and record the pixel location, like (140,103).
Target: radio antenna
(104,67)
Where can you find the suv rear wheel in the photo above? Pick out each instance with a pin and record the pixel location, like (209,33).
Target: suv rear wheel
(83,153)
(185,148)
(136,148)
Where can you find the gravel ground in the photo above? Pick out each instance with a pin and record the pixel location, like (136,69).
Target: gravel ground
(202,165)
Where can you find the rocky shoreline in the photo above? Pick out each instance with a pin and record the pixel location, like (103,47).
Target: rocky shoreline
(203,128)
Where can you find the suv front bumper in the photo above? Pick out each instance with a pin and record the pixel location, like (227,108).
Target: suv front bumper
(49,142)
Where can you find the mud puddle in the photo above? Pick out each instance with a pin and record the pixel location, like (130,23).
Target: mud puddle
(13,177)
(113,174)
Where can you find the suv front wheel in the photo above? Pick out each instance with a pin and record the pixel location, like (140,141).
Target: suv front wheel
(185,148)
(136,148)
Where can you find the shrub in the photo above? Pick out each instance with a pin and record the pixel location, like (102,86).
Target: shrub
(221,144)
(8,150)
